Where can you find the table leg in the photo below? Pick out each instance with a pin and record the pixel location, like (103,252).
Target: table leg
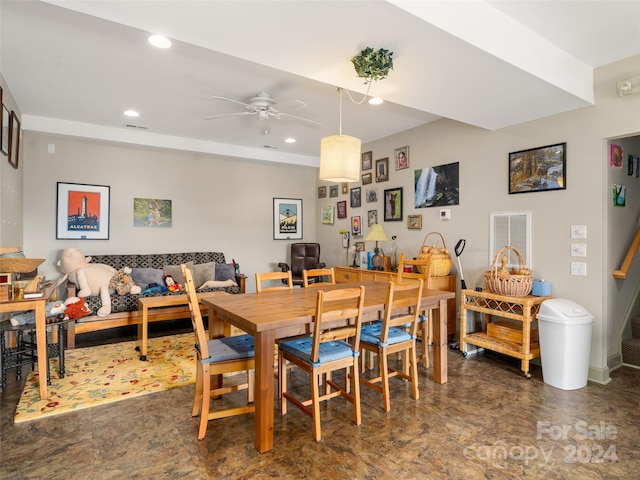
(143,333)
(440,344)
(41,342)
(264,398)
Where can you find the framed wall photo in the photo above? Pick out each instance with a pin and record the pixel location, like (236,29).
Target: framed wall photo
(356,197)
(382,170)
(333,191)
(372,217)
(367,160)
(538,169)
(414,222)
(367,178)
(393,205)
(5,130)
(287,218)
(322,192)
(359,246)
(356,225)
(372,195)
(82,212)
(402,158)
(345,187)
(342,209)
(326,215)
(14,139)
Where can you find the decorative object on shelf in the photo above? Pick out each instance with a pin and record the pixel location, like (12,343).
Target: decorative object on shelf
(440,258)
(373,65)
(354,252)
(82,212)
(393,205)
(394,253)
(287,218)
(538,169)
(514,282)
(340,155)
(377,234)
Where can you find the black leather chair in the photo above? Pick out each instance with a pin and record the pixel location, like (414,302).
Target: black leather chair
(304,256)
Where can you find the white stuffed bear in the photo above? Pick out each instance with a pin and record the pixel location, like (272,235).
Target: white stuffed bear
(28,317)
(90,278)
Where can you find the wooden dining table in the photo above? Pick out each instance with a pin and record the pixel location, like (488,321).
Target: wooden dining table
(272,315)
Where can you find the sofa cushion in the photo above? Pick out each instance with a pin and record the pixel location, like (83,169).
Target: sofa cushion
(144,276)
(203,273)
(176,272)
(225,271)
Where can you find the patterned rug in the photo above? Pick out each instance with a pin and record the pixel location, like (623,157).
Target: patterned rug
(109,373)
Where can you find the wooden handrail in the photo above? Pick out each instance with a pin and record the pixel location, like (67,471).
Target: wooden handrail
(628,259)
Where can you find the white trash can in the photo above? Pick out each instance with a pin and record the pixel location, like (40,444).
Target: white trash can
(565,343)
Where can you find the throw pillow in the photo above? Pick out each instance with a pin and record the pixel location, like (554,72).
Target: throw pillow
(203,272)
(225,271)
(217,284)
(176,272)
(144,276)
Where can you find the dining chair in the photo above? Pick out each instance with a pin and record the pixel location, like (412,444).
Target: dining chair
(389,336)
(328,349)
(316,277)
(218,357)
(420,269)
(284,279)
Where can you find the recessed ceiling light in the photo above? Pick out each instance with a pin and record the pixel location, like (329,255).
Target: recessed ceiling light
(375,101)
(131,113)
(290,140)
(159,41)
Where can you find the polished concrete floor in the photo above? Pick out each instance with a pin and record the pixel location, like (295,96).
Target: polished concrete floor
(488,421)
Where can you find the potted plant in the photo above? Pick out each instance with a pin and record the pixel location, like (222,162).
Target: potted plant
(373,65)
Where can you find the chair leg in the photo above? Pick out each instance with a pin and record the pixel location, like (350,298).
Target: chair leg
(315,403)
(414,372)
(355,383)
(197,397)
(426,341)
(251,388)
(206,400)
(384,376)
(282,383)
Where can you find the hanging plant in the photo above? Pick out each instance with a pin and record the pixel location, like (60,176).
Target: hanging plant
(373,65)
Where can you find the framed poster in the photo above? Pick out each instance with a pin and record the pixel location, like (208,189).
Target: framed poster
(356,197)
(342,209)
(538,169)
(393,205)
(356,225)
(333,191)
(382,170)
(82,212)
(287,218)
(322,192)
(14,140)
(367,160)
(326,215)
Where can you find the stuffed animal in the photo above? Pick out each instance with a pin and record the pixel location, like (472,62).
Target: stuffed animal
(76,308)
(171,284)
(91,278)
(52,309)
(122,282)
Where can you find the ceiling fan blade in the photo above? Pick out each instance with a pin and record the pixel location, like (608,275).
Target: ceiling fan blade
(311,123)
(230,100)
(236,114)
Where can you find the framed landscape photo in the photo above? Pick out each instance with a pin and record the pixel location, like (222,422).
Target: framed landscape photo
(393,205)
(342,209)
(326,215)
(414,222)
(538,169)
(287,218)
(82,212)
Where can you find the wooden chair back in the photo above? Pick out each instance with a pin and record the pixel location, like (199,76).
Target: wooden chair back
(420,269)
(280,277)
(196,315)
(402,306)
(323,276)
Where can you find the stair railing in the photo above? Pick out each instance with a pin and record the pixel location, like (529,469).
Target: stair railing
(628,259)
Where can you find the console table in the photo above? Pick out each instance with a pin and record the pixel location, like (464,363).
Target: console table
(497,336)
(446,283)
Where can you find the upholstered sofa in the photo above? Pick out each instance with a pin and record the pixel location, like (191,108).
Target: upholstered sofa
(210,271)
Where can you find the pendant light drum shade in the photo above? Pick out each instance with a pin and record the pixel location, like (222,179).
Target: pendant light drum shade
(340,158)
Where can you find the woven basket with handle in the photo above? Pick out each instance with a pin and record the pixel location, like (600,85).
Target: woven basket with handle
(515,282)
(440,258)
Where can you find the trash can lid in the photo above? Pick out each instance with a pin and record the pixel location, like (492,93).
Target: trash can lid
(561,310)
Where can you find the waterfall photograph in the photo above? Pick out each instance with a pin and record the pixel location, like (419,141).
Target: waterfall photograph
(437,186)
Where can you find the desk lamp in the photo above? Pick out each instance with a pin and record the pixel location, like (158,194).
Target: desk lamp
(377,234)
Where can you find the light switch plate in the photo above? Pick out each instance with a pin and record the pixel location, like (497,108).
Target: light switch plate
(578,250)
(579,268)
(578,231)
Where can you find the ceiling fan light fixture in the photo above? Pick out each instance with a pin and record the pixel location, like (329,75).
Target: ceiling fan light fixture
(131,113)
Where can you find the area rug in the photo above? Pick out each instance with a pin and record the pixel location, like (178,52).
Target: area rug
(109,373)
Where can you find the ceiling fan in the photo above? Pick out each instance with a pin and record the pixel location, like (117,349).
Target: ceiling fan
(262,105)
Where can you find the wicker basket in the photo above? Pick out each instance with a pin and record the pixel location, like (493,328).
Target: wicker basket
(440,259)
(516,282)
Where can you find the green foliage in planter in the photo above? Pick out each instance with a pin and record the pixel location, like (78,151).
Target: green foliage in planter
(373,64)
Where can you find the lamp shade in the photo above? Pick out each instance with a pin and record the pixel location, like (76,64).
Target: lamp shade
(340,158)
(376,234)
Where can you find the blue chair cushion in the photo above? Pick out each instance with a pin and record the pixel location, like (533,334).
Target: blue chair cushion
(372,332)
(329,351)
(230,348)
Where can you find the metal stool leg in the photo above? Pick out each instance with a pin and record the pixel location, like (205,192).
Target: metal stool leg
(61,336)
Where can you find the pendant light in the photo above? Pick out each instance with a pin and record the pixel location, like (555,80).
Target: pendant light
(340,156)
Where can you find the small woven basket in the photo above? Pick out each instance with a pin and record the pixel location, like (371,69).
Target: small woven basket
(440,259)
(516,282)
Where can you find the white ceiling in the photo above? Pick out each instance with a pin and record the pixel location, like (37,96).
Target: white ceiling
(73,67)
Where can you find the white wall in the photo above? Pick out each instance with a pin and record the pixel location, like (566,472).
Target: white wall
(218,204)
(484,188)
